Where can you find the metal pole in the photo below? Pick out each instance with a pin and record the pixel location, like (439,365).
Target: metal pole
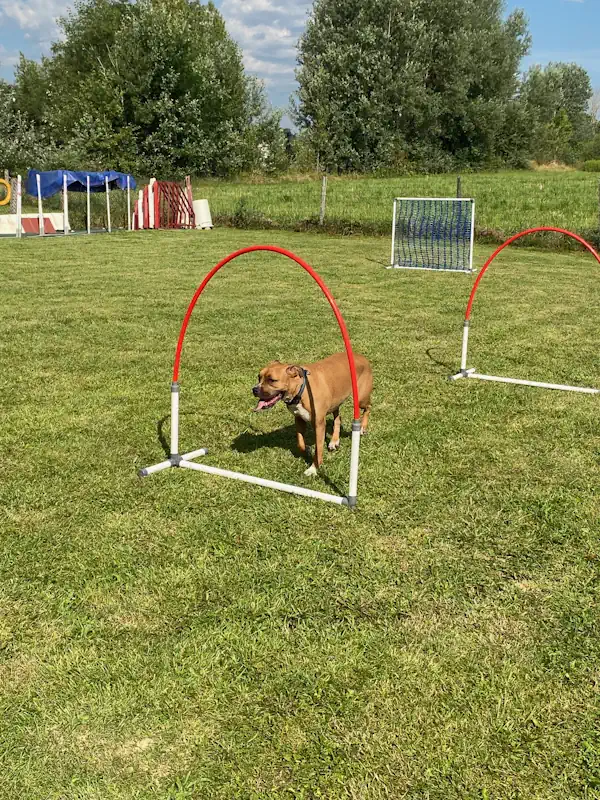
(89,209)
(394,233)
(323,200)
(472,235)
(107,204)
(66,224)
(128,203)
(19,207)
(40,209)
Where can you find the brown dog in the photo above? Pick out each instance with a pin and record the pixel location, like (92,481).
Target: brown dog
(313,391)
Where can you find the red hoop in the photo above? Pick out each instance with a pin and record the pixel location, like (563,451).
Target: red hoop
(313,275)
(514,238)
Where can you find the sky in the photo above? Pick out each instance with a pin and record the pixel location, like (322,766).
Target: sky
(267,32)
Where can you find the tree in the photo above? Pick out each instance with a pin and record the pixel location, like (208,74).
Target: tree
(155,86)
(385,80)
(557,99)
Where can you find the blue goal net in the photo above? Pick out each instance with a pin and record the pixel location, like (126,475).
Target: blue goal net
(433,233)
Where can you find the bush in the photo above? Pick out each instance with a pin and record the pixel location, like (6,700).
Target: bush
(592,166)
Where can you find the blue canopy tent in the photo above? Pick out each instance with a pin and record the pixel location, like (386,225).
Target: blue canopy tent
(47,184)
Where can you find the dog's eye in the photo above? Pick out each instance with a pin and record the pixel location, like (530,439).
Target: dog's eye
(272,380)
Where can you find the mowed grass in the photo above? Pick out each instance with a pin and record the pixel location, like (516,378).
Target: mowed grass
(186,636)
(506,202)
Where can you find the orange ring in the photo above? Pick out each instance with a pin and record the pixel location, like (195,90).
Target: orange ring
(6,185)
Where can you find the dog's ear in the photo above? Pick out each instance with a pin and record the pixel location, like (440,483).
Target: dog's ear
(294,372)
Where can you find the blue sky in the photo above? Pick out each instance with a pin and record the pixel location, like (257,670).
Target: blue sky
(267,30)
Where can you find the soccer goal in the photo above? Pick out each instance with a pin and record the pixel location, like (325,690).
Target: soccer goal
(433,233)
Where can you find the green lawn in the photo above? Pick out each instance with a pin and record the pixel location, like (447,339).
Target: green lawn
(186,636)
(506,202)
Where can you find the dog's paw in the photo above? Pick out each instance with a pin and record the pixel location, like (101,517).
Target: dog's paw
(311,471)
(363,433)
(333,446)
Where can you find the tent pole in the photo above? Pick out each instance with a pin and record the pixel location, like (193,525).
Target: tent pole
(128,203)
(89,210)
(40,209)
(66,224)
(107,204)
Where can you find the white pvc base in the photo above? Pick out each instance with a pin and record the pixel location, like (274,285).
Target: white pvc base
(471,373)
(187,463)
(431,269)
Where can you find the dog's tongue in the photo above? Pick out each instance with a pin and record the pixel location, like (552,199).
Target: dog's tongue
(264,404)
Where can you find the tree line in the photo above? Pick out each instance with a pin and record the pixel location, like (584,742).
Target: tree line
(158,87)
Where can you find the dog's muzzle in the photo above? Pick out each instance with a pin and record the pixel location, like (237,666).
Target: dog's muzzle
(256,391)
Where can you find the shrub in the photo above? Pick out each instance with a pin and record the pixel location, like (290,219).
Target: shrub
(592,166)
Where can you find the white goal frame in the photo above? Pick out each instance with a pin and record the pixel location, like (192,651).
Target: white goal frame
(397,200)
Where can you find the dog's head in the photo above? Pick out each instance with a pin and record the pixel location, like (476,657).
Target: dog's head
(277,382)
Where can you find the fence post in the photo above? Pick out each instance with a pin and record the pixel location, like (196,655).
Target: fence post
(323,200)
(458,187)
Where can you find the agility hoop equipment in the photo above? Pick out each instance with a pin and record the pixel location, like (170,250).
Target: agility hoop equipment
(8,192)
(433,233)
(472,373)
(187,461)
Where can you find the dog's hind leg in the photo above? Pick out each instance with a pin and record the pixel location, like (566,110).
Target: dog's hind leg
(337,425)
(366,409)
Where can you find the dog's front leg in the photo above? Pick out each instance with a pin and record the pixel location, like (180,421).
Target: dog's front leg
(301,435)
(319,426)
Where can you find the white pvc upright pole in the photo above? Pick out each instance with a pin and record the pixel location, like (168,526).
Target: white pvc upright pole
(465,346)
(174,419)
(19,207)
(353,490)
(394,233)
(128,203)
(66,224)
(107,204)
(40,209)
(89,208)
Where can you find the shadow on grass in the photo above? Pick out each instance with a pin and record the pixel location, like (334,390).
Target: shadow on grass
(283,439)
(449,367)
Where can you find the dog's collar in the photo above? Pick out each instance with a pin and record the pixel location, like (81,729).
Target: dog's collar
(295,400)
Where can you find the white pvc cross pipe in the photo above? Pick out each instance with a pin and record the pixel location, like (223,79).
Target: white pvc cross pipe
(560,386)
(40,209)
(282,487)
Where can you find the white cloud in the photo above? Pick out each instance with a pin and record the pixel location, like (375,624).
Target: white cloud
(8,58)
(33,14)
(268,31)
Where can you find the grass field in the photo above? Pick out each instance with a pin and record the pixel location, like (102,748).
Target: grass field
(189,637)
(506,202)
